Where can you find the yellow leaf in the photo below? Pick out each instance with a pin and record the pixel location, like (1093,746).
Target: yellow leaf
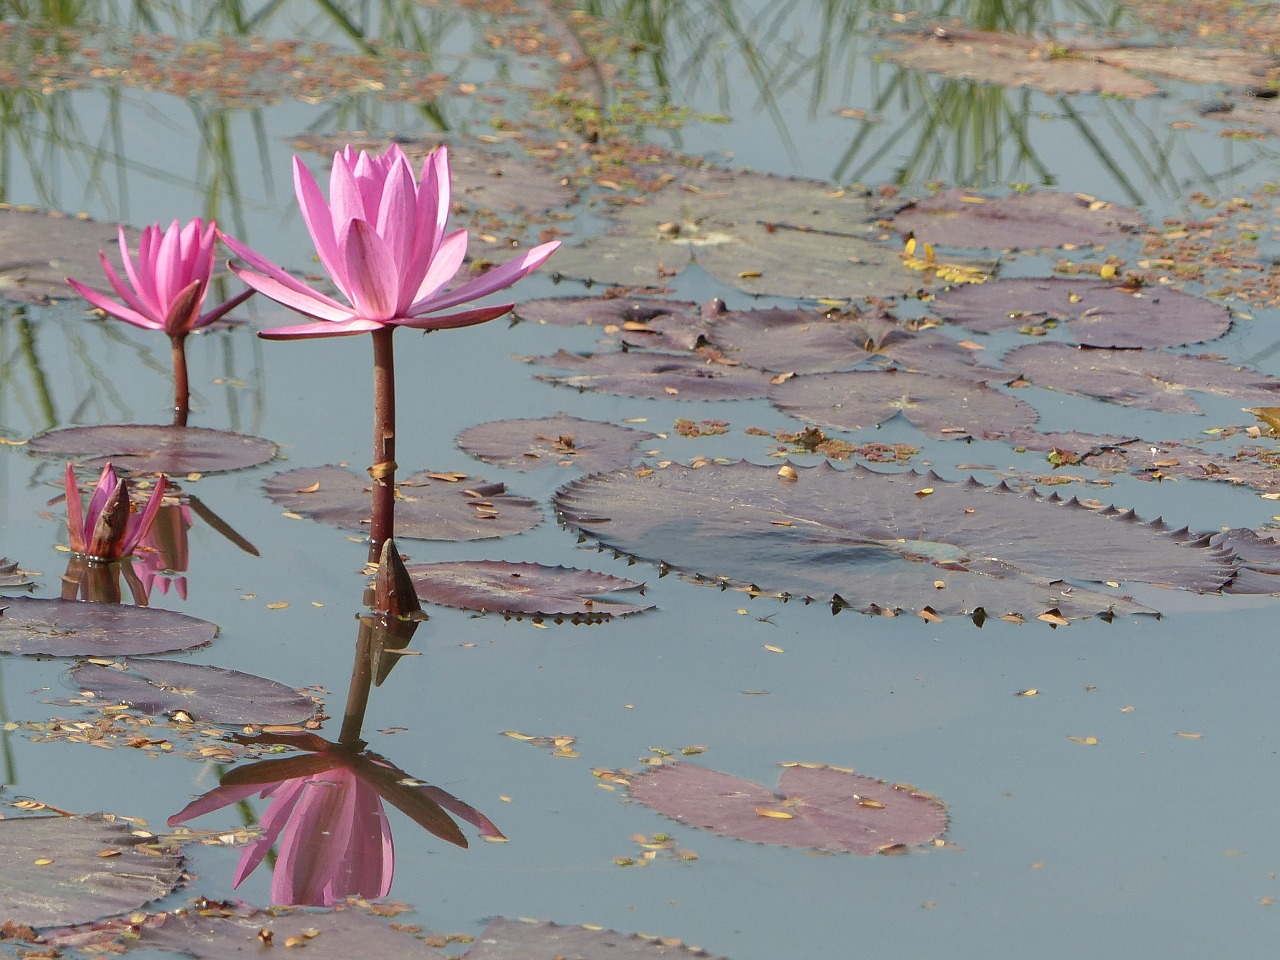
(1191,736)
(279,605)
(788,472)
(772,649)
(774,814)
(924,491)
(1028,693)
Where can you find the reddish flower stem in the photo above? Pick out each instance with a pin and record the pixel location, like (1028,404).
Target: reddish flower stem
(361,683)
(181,390)
(383,470)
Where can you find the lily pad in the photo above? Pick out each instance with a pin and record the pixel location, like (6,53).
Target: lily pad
(1029,221)
(816,806)
(670,376)
(13,577)
(1146,379)
(527,939)
(941,407)
(70,628)
(41,249)
(153,448)
(560,441)
(1096,314)
(600,311)
(523,589)
(1215,65)
(882,541)
(1255,467)
(442,506)
(205,693)
(56,871)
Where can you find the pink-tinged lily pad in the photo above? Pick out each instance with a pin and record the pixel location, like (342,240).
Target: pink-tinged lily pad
(1096,314)
(527,939)
(1131,378)
(941,407)
(560,441)
(600,311)
(1074,442)
(13,577)
(523,589)
(70,628)
(962,218)
(816,806)
(428,506)
(41,249)
(887,541)
(148,448)
(204,693)
(1259,559)
(56,871)
(670,376)
(1255,467)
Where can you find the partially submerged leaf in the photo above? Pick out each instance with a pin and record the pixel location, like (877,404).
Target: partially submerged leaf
(528,939)
(148,448)
(42,248)
(70,628)
(600,311)
(52,872)
(13,577)
(816,806)
(670,376)
(205,693)
(427,508)
(523,589)
(560,441)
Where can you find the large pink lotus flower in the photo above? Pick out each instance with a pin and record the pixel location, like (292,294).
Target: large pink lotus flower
(168,282)
(381,237)
(111,527)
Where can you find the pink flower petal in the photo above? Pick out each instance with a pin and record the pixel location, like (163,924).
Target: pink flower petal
(444,267)
(311,331)
(499,278)
(315,214)
(75,512)
(450,321)
(265,267)
(371,272)
(100,300)
(309,302)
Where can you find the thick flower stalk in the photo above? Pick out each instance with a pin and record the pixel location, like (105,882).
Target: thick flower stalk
(382,237)
(111,527)
(166,290)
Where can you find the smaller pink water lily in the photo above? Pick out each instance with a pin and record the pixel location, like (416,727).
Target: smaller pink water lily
(381,237)
(111,527)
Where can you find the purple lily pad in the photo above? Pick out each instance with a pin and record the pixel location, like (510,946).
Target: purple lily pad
(1096,314)
(13,577)
(670,376)
(205,693)
(1249,466)
(70,628)
(427,508)
(526,939)
(821,807)
(600,311)
(53,870)
(41,249)
(1130,378)
(1259,558)
(942,407)
(961,218)
(148,448)
(887,541)
(523,589)
(560,441)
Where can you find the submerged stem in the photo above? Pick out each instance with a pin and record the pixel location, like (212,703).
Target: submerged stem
(383,470)
(181,391)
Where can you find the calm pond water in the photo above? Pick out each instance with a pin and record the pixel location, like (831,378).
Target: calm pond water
(1147,843)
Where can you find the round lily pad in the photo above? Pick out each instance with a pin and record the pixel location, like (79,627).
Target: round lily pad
(523,589)
(56,871)
(671,376)
(1096,314)
(153,448)
(816,806)
(440,506)
(205,693)
(42,248)
(560,441)
(70,628)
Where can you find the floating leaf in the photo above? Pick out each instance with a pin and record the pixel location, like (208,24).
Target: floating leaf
(427,508)
(656,375)
(1096,314)
(13,577)
(41,249)
(562,441)
(522,589)
(961,218)
(1216,66)
(601,311)
(147,448)
(1249,466)
(70,628)
(816,806)
(941,407)
(1153,381)
(204,693)
(52,872)
(867,538)
(527,939)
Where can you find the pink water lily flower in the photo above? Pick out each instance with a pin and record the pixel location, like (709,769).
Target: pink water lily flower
(381,238)
(111,527)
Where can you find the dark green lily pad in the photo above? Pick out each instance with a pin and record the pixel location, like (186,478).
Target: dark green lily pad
(153,448)
(70,628)
(878,541)
(1096,314)
(943,408)
(13,577)
(42,248)
(1131,378)
(560,441)
(816,806)
(669,376)
(523,589)
(1020,221)
(427,507)
(53,871)
(205,693)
